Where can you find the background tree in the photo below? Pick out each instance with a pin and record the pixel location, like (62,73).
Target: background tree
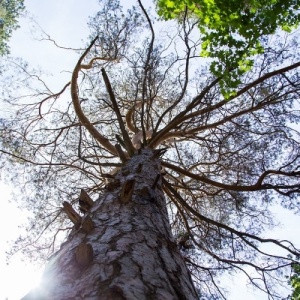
(9,13)
(295,281)
(232,30)
(225,163)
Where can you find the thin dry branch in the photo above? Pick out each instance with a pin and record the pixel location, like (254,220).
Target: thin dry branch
(180,117)
(129,116)
(147,68)
(183,116)
(242,235)
(242,188)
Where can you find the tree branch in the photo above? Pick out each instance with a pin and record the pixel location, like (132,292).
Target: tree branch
(240,234)
(81,116)
(246,188)
(127,141)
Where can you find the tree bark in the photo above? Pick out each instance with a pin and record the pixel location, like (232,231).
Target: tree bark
(127,251)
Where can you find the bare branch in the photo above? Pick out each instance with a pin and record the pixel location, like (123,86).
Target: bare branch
(83,119)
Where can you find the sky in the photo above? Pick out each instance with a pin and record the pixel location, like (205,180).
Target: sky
(65,22)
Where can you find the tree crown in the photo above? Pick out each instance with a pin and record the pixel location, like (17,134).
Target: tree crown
(9,13)
(232,31)
(225,163)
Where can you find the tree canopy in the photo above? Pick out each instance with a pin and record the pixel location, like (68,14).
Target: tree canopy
(232,31)
(226,161)
(9,13)
(295,281)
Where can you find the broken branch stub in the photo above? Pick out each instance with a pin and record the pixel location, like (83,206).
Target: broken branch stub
(85,201)
(121,154)
(72,214)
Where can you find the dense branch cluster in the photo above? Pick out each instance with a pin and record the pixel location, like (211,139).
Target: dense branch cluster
(225,161)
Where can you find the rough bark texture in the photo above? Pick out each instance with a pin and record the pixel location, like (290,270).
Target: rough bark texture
(129,253)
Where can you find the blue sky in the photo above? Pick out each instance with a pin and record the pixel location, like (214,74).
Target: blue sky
(65,22)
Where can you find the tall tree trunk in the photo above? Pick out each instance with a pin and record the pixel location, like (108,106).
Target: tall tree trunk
(128,252)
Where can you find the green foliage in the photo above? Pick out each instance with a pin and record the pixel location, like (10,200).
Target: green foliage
(232,30)
(9,12)
(295,282)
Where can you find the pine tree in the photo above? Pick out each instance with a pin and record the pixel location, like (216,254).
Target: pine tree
(173,181)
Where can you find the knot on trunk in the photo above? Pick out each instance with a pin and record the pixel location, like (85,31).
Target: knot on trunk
(84,254)
(127,191)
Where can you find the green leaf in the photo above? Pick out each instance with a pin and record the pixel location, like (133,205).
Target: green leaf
(234,25)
